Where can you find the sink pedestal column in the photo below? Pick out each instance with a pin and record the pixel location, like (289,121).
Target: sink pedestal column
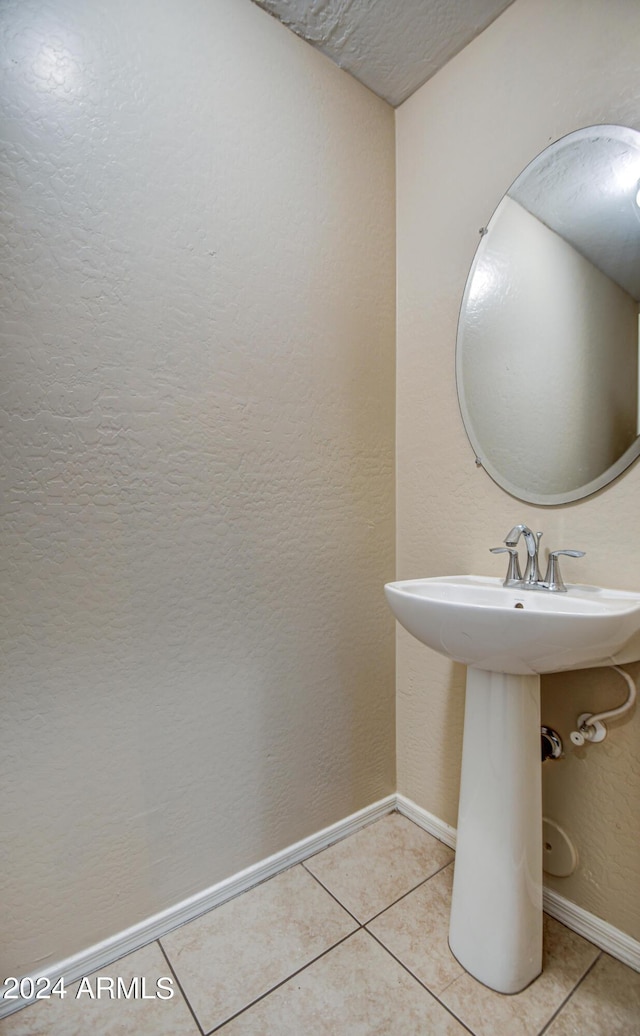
(496,912)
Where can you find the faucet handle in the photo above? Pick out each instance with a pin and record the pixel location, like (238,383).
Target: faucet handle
(514,575)
(553,579)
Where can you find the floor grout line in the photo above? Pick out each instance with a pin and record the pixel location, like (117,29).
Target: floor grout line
(568,997)
(405,894)
(278,985)
(334,897)
(180,986)
(421,983)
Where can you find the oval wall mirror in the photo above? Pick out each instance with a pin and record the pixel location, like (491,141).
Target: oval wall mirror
(547,348)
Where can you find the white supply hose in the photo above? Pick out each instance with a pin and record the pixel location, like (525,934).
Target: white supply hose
(592,728)
(600,716)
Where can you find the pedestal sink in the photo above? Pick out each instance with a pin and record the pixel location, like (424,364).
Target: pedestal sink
(507,637)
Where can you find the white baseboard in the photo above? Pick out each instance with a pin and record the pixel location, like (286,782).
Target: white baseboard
(104,953)
(618,944)
(427,821)
(614,942)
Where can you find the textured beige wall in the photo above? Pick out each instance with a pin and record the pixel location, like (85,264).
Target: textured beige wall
(197,460)
(544,68)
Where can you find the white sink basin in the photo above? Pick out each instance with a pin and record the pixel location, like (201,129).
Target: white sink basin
(478,621)
(507,637)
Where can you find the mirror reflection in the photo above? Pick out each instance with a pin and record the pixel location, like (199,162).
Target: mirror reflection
(547,352)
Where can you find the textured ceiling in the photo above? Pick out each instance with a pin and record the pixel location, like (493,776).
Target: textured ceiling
(392,46)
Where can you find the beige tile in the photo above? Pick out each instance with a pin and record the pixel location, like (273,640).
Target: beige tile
(370,870)
(607,1003)
(356,988)
(567,957)
(237,952)
(416,930)
(78,1014)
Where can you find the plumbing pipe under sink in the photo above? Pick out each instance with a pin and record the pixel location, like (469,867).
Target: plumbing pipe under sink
(591,727)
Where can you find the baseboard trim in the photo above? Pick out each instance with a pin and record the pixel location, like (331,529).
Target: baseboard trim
(427,821)
(613,941)
(105,953)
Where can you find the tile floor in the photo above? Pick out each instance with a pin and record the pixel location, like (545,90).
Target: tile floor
(354,942)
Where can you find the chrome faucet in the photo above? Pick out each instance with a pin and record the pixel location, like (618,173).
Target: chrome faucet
(532,542)
(531,580)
